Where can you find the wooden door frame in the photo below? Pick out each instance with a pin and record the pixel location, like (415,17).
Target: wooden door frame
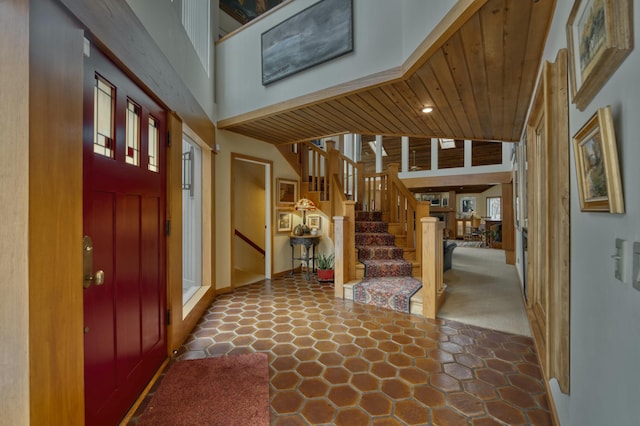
(549,219)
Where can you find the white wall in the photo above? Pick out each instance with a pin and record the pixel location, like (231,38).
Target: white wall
(605,313)
(385,33)
(162,19)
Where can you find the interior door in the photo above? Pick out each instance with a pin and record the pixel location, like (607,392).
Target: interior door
(124,217)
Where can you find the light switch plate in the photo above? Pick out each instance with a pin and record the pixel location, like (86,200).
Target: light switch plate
(636,266)
(618,260)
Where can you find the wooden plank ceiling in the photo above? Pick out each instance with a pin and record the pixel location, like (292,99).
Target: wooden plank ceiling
(478,76)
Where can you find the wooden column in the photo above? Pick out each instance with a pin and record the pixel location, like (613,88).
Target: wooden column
(339,251)
(508,224)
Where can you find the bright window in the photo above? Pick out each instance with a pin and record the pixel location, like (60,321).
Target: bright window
(153,144)
(103,98)
(133,134)
(494,208)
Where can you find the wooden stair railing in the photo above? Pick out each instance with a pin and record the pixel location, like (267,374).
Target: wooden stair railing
(336,183)
(316,170)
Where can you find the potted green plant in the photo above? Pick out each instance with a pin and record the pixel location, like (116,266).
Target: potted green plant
(325,266)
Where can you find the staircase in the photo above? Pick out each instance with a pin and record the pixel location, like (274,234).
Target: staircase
(387,281)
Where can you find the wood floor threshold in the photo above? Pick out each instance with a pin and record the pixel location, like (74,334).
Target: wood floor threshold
(144,393)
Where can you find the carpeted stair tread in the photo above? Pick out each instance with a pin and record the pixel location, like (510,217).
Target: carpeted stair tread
(364,216)
(374,239)
(371,227)
(387,292)
(379,252)
(387,268)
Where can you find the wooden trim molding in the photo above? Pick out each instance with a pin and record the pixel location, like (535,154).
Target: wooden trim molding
(14,210)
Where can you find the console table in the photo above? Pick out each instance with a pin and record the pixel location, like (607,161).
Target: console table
(308,242)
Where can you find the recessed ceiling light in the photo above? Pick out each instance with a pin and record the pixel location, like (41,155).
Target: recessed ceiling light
(427,110)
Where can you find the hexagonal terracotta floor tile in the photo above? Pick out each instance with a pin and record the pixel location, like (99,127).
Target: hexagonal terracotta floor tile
(396,388)
(412,412)
(376,404)
(343,395)
(318,411)
(351,416)
(314,387)
(286,402)
(337,375)
(365,382)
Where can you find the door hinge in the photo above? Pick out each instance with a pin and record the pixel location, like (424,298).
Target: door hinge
(168,316)
(167,228)
(168,138)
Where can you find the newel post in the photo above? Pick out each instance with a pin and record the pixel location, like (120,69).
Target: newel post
(339,251)
(431,257)
(423,209)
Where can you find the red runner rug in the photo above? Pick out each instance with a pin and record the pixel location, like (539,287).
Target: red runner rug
(230,390)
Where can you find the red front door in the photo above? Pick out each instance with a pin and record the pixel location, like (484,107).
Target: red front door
(124,215)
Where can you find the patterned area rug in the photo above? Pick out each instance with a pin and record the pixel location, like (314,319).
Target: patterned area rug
(387,279)
(387,292)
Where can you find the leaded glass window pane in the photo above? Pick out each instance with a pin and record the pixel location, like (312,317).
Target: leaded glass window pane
(153,144)
(132,155)
(103,100)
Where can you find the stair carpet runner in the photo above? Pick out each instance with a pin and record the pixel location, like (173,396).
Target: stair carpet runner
(387,281)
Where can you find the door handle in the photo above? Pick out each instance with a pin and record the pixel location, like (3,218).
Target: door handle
(88,276)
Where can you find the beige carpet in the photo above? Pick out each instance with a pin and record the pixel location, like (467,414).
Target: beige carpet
(483,290)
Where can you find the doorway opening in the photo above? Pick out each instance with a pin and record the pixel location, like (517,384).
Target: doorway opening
(250,220)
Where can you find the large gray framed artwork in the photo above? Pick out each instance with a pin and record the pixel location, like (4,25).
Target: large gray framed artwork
(315,35)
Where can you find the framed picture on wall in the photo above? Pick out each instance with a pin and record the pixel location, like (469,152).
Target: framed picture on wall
(467,204)
(596,158)
(314,221)
(599,37)
(287,192)
(284,221)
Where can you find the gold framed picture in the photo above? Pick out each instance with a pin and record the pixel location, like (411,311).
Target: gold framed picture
(597,168)
(599,36)
(287,192)
(314,221)
(284,221)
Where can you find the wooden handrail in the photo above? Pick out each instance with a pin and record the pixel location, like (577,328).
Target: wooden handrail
(248,241)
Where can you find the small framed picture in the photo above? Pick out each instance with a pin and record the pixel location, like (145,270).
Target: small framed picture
(287,192)
(314,221)
(445,202)
(597,167)
(284,221)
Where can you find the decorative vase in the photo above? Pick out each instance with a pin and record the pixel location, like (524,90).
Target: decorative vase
(297,231)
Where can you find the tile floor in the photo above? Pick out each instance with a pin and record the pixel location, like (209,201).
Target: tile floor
(336,362)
